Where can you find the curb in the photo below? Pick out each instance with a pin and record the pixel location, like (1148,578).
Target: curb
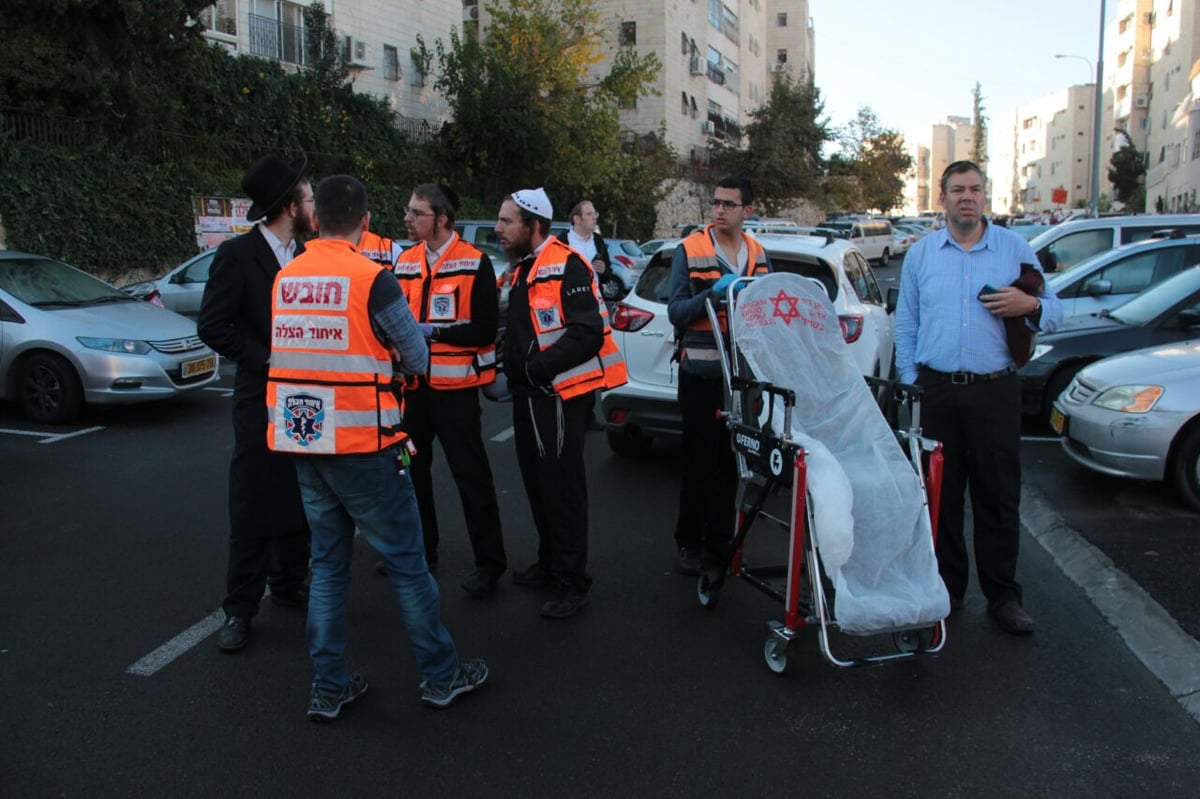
(1153,636)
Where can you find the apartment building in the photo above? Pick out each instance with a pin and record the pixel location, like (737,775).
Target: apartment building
(1173,140)
(1127,57)
(718,56)
(1041,153)
(917,195)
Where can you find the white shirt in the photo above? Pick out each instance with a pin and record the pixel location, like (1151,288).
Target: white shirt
(586,246)
(283,255)
(432,255)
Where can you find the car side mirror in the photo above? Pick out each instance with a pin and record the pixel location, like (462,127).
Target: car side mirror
(893,299)
(1189,317)
(1097,288)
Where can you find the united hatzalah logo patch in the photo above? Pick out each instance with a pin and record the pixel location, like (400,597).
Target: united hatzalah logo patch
(547,317)
(305,418)
(442,307)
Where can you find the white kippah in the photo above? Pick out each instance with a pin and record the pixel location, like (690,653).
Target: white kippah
(535,202)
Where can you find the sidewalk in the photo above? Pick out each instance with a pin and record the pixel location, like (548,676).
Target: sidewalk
(1148,630)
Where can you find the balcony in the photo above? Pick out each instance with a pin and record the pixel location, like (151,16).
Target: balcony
(271,38)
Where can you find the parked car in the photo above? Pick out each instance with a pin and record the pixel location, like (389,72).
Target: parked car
(1162,314)
(1108,279)
(1137,415)
(873,237)
(646,407)
(902,240)
(179,290)
(67,338)
(628,254)
(1068,243)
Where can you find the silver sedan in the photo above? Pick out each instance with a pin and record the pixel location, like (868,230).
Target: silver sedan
(67,338)
(1137,415)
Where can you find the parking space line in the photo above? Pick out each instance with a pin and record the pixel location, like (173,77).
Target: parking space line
(49,438)
(151,663)
(503,435)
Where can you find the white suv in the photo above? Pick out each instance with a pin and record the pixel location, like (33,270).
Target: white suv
(647,407)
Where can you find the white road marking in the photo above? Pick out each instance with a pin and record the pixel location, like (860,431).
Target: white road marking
(49,438)
(503,435)
(148,665)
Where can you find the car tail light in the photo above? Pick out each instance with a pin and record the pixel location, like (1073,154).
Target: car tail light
(624,260)
(852,327)
(628,319)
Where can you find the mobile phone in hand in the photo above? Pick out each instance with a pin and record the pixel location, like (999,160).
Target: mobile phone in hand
(988,288)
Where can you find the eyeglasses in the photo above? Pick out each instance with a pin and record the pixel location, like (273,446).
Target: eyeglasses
(726,204)
(417,214)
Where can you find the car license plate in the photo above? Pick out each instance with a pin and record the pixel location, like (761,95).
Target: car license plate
(1057,421)
(200,366)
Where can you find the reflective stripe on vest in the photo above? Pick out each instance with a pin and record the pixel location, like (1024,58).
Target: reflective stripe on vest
(604,371)
(377,248)
(442,298)
(329,387)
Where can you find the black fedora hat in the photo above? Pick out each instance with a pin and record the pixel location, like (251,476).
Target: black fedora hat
(268,182)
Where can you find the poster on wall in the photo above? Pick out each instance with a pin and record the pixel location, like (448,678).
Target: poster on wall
(220,218)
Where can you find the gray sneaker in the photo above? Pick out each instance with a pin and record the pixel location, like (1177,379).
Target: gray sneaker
(471,674)
(326,705)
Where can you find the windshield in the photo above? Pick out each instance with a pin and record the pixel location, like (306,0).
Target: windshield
(1153,302)
(45,282)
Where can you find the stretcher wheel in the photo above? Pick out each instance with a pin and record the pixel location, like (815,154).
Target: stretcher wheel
(706,593)
(915,640)
(775,653)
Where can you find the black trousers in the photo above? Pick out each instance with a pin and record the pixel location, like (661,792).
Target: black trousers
(708,491)
(549,434)
(453,417)
(979,426)
(268,534)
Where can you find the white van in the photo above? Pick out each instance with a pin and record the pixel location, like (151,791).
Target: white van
(1068,243)
(872,237)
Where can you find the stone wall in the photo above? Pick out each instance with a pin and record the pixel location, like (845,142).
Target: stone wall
(686,202)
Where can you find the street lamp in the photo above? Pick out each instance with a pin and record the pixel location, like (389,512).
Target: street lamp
(1094,199)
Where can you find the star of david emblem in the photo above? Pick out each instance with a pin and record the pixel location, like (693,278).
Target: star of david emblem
(786,307)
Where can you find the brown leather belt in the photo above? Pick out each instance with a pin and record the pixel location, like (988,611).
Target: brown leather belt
(966,378)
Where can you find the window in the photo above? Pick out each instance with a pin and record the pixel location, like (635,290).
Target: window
(418,71)
(220,17)
(692,102)
(714,13)
(628,34)
(391,63)
(781,20)
(277,30)
(683,44)
(781,56)
(683,99)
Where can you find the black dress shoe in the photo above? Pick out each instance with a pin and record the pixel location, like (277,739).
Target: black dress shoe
(565,604)
(536,576)
(480,584)
(234,635)
(1011,617)
(296,600)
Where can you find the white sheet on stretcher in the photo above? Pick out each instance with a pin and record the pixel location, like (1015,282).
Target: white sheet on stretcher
(869,524)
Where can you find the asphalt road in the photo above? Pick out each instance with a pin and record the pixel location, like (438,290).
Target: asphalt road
(112,560)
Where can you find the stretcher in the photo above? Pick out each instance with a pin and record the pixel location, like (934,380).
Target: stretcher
(858,481)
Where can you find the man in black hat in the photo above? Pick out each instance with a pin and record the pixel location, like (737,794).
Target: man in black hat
(268,534)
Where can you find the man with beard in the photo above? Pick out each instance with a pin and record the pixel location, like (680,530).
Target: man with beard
(961,290)
(557,350)
(268,534)
(451,290)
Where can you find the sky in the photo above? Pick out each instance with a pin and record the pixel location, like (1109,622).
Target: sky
(916,63)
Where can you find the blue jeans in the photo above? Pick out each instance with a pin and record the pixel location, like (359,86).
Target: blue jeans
(339,493)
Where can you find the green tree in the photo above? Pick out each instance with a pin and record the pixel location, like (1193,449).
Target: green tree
(979,121)
(1125,172)
(782,156)
(877,158)
(528,106)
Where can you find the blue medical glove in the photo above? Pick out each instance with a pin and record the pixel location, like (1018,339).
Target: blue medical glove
(426,329)
(719,287)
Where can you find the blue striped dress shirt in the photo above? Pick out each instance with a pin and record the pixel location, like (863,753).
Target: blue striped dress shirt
(940,322)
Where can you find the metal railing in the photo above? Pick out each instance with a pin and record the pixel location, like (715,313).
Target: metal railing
(271,38)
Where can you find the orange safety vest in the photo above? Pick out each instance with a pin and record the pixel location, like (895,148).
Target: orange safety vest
(441,296)
(329,388)
(607,369)
(703,269)
(379,249)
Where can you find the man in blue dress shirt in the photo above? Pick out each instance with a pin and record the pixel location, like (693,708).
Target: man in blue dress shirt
(956,291)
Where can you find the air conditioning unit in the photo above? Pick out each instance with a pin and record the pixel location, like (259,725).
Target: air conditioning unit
(1141,101)
(696,66)
(708,127)
(470,13)
(779,67)
(354,51)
